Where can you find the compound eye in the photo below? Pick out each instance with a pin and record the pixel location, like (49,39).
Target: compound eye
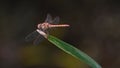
(39,25)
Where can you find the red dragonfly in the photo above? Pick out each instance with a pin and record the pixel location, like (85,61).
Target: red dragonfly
(42,29)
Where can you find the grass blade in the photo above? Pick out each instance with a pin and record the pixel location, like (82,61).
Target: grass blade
(73,51)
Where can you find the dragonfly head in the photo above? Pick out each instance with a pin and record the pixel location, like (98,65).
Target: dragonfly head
(43,26)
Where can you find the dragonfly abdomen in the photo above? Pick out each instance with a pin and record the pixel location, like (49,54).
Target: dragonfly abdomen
(62,25)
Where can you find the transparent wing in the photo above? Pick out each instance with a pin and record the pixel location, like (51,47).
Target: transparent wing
(38,40)
(48,18)
(31,36)
(56,20)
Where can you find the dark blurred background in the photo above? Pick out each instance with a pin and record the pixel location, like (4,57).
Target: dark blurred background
(94,29)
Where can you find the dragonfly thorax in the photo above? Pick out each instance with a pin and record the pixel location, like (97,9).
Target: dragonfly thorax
(43,26)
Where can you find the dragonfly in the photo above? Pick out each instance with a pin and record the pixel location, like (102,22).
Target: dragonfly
(42,29)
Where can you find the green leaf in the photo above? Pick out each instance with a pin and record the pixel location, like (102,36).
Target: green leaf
(73,51)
